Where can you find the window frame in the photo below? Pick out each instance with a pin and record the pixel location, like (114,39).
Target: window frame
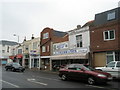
(108,33)
(111,15)
(43,49)
(79,41)
(45,35)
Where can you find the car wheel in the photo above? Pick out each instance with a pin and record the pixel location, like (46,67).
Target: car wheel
(6,69)
(91,81)
(22,70)
(63,77)
(13,69)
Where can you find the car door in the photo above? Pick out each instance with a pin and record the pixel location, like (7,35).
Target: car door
(9,65)
(76,72)
(117,70)
(110,68)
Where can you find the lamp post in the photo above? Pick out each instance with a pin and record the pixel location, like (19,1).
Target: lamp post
(17,36)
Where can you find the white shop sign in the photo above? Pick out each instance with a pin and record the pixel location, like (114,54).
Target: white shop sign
(70,51)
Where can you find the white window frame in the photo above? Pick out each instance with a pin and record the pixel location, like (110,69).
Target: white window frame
(108,35)
(35,45)
(43,49)
(113,54)
(79,40)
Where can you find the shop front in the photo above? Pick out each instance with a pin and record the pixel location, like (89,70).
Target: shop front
(61,60)
(19,58)
(45,63)
(34,62)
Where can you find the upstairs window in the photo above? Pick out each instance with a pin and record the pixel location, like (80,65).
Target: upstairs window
(43,49)
(26,47)
(35,45)
(109,35)
(79,40)
(19,51)
(111,16)
(45,35)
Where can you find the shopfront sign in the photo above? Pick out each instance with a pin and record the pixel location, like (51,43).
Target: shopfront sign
(33,53)
(60,46)
(71,51)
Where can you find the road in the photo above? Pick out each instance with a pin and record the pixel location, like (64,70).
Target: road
(40,79)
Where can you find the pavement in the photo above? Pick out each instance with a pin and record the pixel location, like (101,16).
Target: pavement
(46,71)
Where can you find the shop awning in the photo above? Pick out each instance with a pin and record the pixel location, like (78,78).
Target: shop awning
(19,56)
(70,56)
(11,57)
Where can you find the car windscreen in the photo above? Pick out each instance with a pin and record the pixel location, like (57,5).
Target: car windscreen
(16,64)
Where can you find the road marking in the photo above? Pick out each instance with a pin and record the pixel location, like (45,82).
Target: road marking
(47,78)
(10,83)
(33,80)
(95,86)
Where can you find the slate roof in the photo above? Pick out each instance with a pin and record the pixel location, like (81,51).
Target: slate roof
(11,43)
(59,33)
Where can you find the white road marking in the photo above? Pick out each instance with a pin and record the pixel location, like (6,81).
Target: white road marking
(95,86)
(33,80)
(10,83)
(47,78)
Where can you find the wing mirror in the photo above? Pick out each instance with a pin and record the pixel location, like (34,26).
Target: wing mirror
(82,69)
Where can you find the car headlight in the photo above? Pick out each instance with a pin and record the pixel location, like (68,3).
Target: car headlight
(101,75)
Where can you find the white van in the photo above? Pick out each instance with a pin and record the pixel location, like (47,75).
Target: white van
(113,68)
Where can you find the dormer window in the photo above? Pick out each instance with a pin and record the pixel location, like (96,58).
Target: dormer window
(45,35)
(111,16)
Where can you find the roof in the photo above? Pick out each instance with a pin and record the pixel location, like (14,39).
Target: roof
(89,23)
(59,33)
(4,42)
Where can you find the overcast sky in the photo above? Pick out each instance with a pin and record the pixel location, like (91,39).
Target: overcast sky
(27,17)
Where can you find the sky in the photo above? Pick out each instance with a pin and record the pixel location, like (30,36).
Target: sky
(27,17)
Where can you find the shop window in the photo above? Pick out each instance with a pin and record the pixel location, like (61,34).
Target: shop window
(110,56)
(109,35)
(79,40)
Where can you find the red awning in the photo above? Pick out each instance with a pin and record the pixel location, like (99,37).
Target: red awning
(19,56)
(11,57)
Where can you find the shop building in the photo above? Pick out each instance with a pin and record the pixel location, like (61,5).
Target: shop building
(48,36)
(34,53)
(75,49)
(19,54)
(5,51)
(105,38)
(26,50)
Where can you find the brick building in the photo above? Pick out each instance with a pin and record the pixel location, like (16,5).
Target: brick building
(105,37)
(48,37)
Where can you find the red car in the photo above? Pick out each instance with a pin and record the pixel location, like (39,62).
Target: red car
(81,72)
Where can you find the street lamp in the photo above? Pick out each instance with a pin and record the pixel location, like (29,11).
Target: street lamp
(17,36)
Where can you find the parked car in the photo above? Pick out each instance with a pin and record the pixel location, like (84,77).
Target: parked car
(113,68)
(14,67)
(81,72)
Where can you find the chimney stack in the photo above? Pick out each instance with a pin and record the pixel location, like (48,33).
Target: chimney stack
(32,36)
(78,26)
(25,38)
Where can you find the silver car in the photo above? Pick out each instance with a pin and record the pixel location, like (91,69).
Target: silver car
(113,68)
